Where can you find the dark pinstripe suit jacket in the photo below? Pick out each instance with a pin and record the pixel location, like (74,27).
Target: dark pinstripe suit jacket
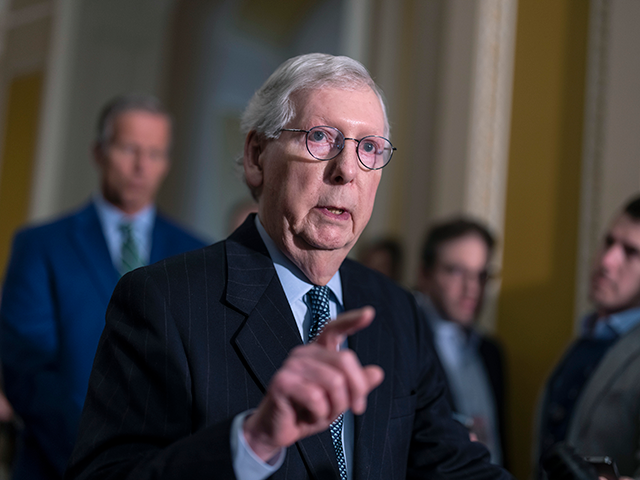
(192,341)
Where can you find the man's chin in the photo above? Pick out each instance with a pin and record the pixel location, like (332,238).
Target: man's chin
(328,241)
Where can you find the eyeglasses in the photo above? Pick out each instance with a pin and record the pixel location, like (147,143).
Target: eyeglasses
(459,273)
(325,143)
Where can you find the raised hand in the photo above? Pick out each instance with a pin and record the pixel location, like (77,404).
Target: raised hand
(315,385)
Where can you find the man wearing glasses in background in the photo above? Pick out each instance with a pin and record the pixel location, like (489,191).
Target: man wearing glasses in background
(451,283)
(245,359)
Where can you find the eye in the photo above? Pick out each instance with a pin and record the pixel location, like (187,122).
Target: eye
(608,241)
(453,270)
(630,251)
(126,149)
(369,147)
(317,136)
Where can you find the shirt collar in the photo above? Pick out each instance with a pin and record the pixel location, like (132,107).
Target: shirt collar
(620,323)
(294,282)
(112,215)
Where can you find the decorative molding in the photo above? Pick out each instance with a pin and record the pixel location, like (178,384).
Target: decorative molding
(592,144)
(488,146)
(490,122)
(54,111)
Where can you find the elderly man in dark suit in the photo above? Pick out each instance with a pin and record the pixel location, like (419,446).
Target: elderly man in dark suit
(62,274)
(222,363)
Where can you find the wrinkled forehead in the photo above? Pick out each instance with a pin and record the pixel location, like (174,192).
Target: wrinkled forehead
(302,104)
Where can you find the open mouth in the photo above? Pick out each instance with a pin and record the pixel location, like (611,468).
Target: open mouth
(335,211)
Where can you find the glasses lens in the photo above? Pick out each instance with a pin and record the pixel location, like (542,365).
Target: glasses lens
(375,152)
(324,143)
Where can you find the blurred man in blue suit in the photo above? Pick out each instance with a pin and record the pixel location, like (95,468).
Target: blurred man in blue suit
(61,276)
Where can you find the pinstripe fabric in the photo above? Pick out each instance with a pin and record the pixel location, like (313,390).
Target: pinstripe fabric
(176,363)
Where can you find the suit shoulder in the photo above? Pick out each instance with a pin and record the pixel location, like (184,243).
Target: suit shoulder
(172,228)
(373,279)
(199,258)
(51,227)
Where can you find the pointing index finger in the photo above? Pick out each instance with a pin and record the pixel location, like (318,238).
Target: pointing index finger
(345,324)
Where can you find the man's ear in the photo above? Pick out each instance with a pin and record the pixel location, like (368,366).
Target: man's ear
(252,160)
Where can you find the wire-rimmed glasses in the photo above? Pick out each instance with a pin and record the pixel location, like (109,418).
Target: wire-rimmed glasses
(324,143)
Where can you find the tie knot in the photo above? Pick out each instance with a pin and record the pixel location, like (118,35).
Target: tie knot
(319,296)
(126,229)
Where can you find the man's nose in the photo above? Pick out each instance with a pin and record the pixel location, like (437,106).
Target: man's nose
(611,256)
(344,168)
(472,283)
(142,159)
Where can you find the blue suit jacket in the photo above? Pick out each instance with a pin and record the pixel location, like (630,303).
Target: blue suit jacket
(175,365)
(57,287)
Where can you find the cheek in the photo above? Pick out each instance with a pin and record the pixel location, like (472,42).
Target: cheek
(369,191)
(630,284)
(160,174)
(446,292)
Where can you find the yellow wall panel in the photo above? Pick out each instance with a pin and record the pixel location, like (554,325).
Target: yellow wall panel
(20,136)
(536,306)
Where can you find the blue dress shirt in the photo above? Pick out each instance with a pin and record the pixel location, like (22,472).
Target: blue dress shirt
(616,324)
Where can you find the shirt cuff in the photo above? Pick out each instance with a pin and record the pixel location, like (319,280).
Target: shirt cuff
(246,464)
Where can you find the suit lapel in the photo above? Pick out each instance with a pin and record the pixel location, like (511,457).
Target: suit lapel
(269,333)
(91,246)
(372,347)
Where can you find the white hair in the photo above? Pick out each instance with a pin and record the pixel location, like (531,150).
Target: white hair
(271,107)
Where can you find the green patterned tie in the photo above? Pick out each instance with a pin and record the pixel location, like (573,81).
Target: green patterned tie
(130,257)
(319,297)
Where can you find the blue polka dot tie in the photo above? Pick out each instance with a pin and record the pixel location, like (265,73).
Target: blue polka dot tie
(319,297)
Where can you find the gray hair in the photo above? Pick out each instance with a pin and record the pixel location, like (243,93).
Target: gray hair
(271,107)
(121,104)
